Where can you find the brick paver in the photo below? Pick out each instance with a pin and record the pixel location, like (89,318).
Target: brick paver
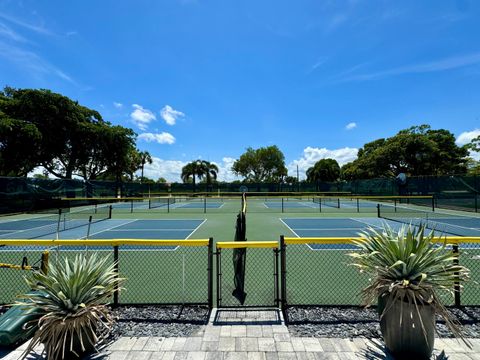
(245,339)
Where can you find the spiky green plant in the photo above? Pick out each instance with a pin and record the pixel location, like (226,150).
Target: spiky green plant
(408,265)
(71,299)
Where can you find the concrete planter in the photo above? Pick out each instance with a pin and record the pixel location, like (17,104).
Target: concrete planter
(408,340)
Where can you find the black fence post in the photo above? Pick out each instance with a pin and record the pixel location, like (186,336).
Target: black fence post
(456,287)
(115,259)
(275,276)
(283,277)
(210,273)
(219,277)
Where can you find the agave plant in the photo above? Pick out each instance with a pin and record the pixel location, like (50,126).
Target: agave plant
(408,265)
(71,299)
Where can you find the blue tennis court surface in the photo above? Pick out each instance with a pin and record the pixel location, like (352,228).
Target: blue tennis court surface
(109,229)
(351,227)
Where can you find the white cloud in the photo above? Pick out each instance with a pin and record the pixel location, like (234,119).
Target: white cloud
(312,154)
(118,105)
(225,172)
(351,126)
(142,117)
(172,169)
(161,138)
(467,136)
(170,115)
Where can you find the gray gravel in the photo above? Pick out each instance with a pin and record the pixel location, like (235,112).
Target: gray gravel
(165,321)
(349,322)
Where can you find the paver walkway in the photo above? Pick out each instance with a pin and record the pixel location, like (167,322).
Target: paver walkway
(255,335)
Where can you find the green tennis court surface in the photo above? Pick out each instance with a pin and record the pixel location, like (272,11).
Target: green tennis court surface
(179,275)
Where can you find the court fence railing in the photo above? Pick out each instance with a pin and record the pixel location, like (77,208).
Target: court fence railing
(291,272)
(310,275)
(155,274)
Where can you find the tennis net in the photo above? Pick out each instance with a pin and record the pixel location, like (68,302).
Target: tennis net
(327,201)
(453,224)
(53,221)
(157,202)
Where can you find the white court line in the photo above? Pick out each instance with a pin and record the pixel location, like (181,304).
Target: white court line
(367,223)
(203,222)
(152,230)
(289,228)
(110,228)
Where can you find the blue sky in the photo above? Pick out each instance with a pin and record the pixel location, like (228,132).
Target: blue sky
(206,79)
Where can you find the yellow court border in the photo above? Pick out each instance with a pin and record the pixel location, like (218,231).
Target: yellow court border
(247,244)
(105,242)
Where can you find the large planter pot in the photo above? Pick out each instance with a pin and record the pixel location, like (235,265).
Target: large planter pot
(408,340)
(76,352)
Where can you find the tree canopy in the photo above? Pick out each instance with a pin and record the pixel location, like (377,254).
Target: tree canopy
(324,170)
(266,164)
(200,169)
(43,128)
(418,150)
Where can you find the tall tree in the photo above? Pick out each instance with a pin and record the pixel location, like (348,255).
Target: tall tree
(19,141)
(62,122)
(193,170)
(210,171)
(324,170)
(266,164)
(146,158)
(418,150)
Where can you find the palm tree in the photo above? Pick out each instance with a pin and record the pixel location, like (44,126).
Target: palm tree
(193,170)
(210,172)
(145,157)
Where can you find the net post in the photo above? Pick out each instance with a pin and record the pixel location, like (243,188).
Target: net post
(205,204)
(59,221)
(358,205)
(149,202)
(110,210)
(378,210)
(282,205)
(44,263)
(338,203)
(395,204)
(168,205)
(88,227)
(210,273)
(476,202)
(320,204)
(115,264)
(283,276)
(131,206)
(433,202)
(456,286)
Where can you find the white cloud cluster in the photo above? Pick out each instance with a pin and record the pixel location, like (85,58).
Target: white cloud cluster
(351,126)
(170,115)
(172,169)
(467,136)
(142,117)
(161,138)
(312,154)
(118,105)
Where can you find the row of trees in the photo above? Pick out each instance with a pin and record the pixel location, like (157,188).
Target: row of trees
(419,150)
(42,128)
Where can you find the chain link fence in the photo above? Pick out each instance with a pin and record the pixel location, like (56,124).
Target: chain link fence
(157,272)
(260,274)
